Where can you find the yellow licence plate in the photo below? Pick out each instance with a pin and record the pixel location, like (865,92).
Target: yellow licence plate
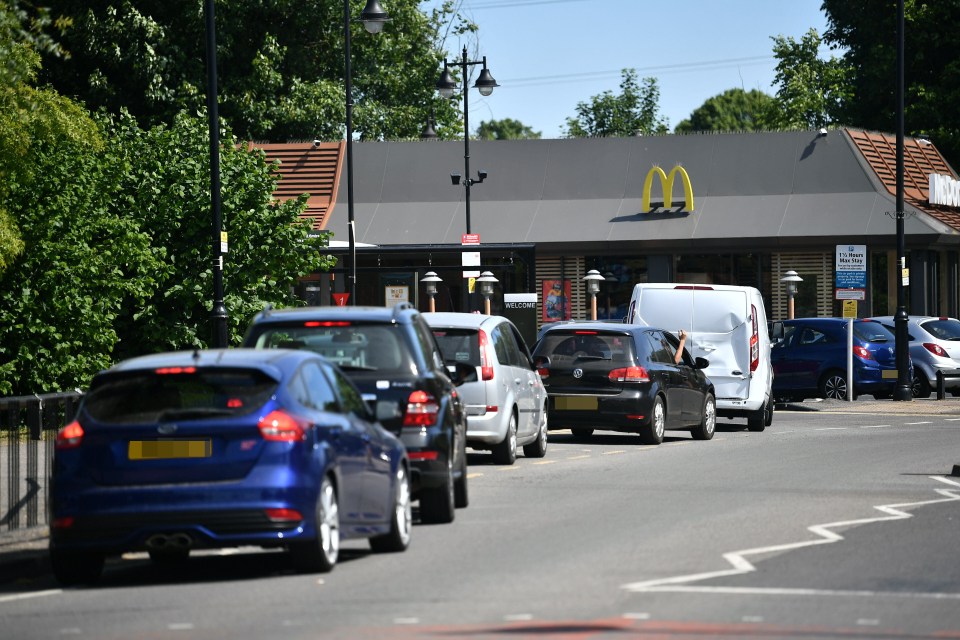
(889,374)
(168,449)
(576,403)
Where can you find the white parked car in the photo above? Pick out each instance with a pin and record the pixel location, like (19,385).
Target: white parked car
(934,346)
(506,405)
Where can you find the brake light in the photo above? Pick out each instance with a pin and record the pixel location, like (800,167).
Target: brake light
(584,333)
(166,371)
(422,410)
(423,455)
(935,349)
(486,358)
(692,287)
(544,372)
(861,352)
(283,515)
(63,523)
(327,323)
(754,341)
(278,426)
(70,436)
(629,374)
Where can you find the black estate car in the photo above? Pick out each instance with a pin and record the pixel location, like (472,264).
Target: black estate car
(392,357)
(623,378)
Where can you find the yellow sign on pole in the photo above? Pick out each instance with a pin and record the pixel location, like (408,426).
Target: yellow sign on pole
(849,308)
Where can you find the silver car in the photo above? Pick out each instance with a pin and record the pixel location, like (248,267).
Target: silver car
(507,404)
(934,346)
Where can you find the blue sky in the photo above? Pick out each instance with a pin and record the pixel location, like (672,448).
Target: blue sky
(548,55)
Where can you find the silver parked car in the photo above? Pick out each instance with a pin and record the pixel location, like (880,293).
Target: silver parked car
(934,346)
(507,404)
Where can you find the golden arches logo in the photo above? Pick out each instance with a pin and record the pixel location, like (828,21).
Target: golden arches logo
(666,181)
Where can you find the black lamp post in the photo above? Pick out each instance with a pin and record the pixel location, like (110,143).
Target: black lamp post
(446,85)
(373,17)
(904,388)
(218,313)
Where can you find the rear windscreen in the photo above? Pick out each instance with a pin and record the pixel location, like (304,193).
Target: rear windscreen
(459,345)
(943,328)
(562,346)
(354,347)
(872,332)
(147,396)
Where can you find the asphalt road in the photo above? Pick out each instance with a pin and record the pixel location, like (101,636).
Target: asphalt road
(839,525)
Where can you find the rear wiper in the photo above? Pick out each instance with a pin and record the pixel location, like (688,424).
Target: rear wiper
(589,357)
(357,367)
(194,412)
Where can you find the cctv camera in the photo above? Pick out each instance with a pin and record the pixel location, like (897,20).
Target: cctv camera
(316,144)
(455,178)
(482,174)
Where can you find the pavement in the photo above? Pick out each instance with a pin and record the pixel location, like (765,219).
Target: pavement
(23,552)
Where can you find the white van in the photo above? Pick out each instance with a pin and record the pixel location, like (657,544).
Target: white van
(725,324)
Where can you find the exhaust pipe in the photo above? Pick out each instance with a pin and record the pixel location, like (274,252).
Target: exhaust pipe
(169,542)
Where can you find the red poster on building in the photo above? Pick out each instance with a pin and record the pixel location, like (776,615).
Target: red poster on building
(556,300)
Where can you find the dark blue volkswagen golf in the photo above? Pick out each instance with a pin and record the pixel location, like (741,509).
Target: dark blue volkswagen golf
(223,448)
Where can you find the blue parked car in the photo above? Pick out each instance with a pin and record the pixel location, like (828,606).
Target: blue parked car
(811,359)
(222,448)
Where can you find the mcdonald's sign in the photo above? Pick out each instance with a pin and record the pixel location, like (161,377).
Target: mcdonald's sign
(666,181)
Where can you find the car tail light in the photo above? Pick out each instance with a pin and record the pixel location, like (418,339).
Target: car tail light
(544,372)
(62,523)
(327,323)
(283,515)
(584,333)
(422,410)
(70,436)
(423,455)
(629,374)
(278,426)
(486,358)
(172,371)
(861,352)
(754,341)
(935,349)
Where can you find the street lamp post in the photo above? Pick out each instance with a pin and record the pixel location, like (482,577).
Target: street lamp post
(218,312)
(430,284)
(486,280)
(446,85)
(593,279)
(903,390)
(790,280)
(373,17)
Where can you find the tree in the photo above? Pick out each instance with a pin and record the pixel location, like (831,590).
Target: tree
(867,32)
(506,129)
(635,111)
(281,65)
(732,110)
(811,91)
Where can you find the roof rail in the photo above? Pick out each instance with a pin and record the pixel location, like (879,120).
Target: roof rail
(400,306)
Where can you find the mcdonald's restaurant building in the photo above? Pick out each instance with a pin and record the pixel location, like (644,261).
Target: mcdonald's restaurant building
(743,209)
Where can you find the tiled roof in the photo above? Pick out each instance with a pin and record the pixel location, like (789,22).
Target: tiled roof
(920,159)
(308,168)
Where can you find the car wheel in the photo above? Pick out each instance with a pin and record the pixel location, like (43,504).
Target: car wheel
(71,568)
(538,448)
(582,434)
(401,519)
(652,432)
(437,503)
(506,451)
(757,420)
(833,385)
(708,422)
(921,387)
(320,554)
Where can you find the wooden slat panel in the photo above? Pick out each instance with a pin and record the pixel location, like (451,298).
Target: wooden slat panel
(807,266)
(570,268)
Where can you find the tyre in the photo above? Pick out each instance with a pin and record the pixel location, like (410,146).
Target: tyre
(320,554)
(582,434)
(461,497)
(758,420)
(538,448)
(652,432)
(708,422)
(921,386)
(401,518)
(506,451)
(72,568)
(437,503)
(833,385)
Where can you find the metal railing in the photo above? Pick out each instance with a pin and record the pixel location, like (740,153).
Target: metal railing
(28,429)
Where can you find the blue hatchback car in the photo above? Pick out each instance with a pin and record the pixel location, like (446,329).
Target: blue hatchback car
(222,448)
(810,361)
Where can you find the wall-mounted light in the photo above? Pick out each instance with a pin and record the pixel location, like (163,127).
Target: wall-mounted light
(430,286)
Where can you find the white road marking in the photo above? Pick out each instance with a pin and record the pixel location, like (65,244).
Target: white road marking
(951,419)
(637,616)
(32,594)
(518,617)
(180,626)
(875,426)
(610,453)
(474,475)
(544,462)
(778,432)
(868,622)
(907,424)
(406,621)
(831,429)
(577,457)
(738,559)
(751,619)
(510,468)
